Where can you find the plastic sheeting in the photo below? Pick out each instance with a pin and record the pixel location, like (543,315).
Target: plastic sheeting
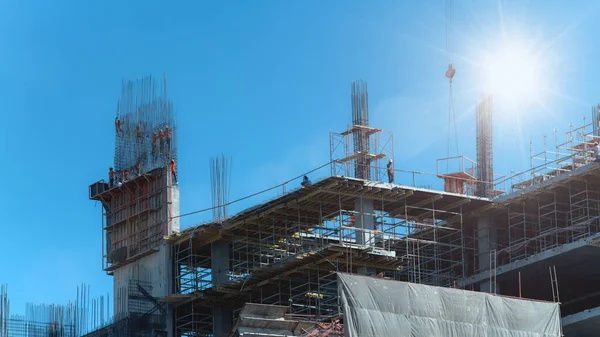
(382,308)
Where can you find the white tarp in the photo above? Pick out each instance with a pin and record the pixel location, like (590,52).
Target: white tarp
(382,308)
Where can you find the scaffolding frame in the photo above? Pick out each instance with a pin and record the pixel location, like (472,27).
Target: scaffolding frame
(288,253)
(576,151)
(549,218)
(348,161)
(136,215)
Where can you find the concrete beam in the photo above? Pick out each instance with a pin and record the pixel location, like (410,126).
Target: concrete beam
(426,202)
(529,261)
(582,324)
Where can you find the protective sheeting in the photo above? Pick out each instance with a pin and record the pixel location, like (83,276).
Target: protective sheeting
(382,308)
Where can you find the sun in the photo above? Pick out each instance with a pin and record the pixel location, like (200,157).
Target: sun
(512,74)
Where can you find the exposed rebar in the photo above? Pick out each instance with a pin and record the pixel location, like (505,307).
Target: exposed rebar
(145,127)
(360,117)
(220,177)
(485,154)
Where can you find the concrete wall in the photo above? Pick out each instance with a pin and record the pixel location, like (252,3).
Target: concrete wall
(175,226)
(155,269)
(487,240)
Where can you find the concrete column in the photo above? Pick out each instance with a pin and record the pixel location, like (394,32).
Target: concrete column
(165,284)
(220,257)
(484,287)
(365,219)
(487,241)
(220,262)
(222,321)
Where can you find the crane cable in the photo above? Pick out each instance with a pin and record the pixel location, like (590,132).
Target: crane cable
(450,75)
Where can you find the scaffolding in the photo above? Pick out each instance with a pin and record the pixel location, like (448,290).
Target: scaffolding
(136,215)
(358,151)
(575,152)
(286,252)
(551,217)
(346,161)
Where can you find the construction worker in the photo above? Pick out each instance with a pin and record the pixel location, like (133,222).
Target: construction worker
(138,132)
(118,124)
(305,182)
(154,140)
(390,171)
(168,134)
(596,151)
(161,136)
(174,170)
(111,177)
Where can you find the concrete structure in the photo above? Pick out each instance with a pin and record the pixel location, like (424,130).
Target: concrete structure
(538,241)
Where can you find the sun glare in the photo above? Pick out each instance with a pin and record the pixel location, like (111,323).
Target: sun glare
(512,74)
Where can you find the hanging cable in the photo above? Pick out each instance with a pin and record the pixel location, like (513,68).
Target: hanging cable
(450,75)
(251,195)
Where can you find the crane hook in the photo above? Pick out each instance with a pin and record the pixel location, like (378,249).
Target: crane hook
(450,72)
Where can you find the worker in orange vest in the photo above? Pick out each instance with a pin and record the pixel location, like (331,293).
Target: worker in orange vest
(154,140)
(168,134)
(111,176)
(138,132)
(118,124)
(161,136)
(174,170)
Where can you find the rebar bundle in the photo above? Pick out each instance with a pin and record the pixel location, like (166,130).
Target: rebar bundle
(360,117)
(485,159)
(40,320)
(145,127)
(220,177)
(73,319)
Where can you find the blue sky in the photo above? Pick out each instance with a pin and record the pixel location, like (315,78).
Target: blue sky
(261,81)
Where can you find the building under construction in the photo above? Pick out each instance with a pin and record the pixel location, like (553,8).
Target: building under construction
(282,267)
(73,319)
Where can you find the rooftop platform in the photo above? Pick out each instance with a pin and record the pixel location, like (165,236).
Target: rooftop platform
(101,191)
(325,198)
(545,183)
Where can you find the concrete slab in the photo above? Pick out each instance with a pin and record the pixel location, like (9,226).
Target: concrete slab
(582,324)
(591,168)
(578,279)
(582,245)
